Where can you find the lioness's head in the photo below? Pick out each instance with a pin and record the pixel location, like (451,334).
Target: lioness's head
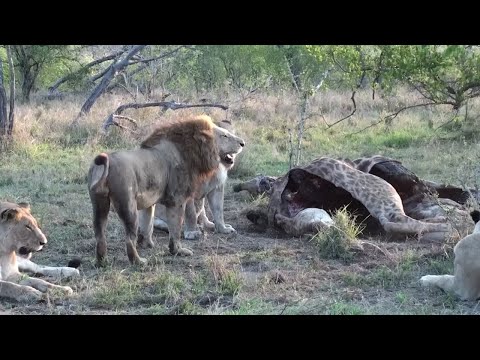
(229,146)
(19,230)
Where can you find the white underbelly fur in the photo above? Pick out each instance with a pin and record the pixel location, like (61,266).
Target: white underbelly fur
(219,179)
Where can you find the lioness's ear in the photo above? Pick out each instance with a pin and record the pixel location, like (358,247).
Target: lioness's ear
(24,205)
(9,214)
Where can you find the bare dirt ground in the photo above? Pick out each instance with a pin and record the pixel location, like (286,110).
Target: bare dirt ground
(253,272)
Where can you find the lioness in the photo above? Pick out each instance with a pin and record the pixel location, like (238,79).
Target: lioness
(170,167)
(213,189)
(465,282)
(20,235)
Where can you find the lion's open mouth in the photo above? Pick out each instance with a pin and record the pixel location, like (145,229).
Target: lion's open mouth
(25,251)
(228,159)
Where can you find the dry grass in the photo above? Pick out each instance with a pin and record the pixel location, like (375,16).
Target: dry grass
(340,240)
(254,272)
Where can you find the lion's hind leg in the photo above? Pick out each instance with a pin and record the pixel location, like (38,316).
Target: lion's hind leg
(127,212)
(18,292)
(101,208)
(43,285)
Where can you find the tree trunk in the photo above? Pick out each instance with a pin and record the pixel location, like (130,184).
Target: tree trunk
(113,70)
(11,113)
(301,127)
(28,68)
(29,77)
(3,105)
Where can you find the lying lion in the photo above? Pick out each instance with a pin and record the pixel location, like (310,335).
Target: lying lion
(465,282)
(20,236)
(171,167)
(213,190)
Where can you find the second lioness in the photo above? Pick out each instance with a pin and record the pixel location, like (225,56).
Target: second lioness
(213,190)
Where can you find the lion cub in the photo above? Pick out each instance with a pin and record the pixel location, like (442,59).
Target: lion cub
(465,282)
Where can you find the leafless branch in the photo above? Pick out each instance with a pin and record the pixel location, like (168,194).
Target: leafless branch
(133,121)
(146,61)
(393,116)
(322,80)
(114,69)
(346,117)
(449,121)
(116,123)
(378,73)
(290,70)
(70,76)
(470,86)
(100,74)
(290,142)
(165,105)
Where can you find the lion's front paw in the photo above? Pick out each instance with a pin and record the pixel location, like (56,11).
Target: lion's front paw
(192,235)
(184,252)
(426,280)
(29,294)
(145,244)
(208,225)
(67,290)
(226,229)
(140,261)
(68,272)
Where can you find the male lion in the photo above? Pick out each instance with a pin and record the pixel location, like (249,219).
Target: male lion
(213,189)
(20,234)
(170,167)
(465,282)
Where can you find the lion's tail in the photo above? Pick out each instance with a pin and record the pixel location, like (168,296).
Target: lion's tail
(99,173)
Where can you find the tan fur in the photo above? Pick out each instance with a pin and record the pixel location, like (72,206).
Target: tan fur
(212,189)
(170,168)
(465,282)
(20,234)
(308,220)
